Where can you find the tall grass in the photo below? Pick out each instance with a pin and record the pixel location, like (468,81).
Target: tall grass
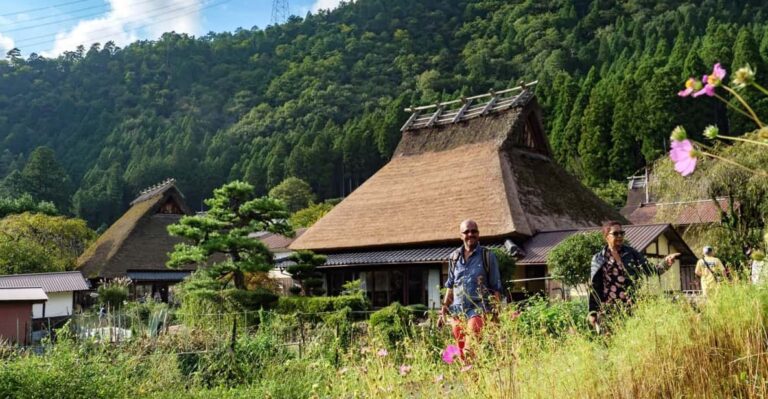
(665,348)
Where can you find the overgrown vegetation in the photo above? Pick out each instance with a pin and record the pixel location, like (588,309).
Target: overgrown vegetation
(664,349)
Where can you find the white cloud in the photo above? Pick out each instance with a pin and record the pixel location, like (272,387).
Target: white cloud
(128,21)
(325,5)
(6,43)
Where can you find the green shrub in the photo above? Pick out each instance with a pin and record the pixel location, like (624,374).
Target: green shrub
(292,304)
(147,316)
(113,293)
(553,318)
(571,259)
(259,298)
(391,323)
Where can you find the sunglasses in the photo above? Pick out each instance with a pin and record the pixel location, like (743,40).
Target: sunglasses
(617,233)
(471,231)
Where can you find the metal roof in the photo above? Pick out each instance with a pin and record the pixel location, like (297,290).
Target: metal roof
(391,257)
(160,275)
(35,294)
(681,213)
(49,282)
(277,242)
(538,247)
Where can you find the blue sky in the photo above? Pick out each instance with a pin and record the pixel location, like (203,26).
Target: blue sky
(50,27)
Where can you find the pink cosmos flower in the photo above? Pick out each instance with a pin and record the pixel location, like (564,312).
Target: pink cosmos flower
(713,80)
(439,378)
(684,157)
(404,369)
(450,353)
(466,368)
(690,85)
(382,352)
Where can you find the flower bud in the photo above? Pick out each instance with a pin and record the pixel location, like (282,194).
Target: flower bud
(695,153)
(711,132)
(763,133)
(743,77)
(678,134)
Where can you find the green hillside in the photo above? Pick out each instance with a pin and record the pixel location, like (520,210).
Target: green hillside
(321,97)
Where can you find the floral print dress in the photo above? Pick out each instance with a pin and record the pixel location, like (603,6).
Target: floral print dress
(615,283)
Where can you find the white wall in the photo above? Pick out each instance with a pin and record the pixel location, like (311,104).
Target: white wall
(58,304)
(433,288)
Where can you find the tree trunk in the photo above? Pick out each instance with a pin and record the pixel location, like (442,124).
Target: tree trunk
(239,280)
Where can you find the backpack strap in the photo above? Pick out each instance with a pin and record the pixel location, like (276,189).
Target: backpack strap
(709,267)
(487,263)
(452,260)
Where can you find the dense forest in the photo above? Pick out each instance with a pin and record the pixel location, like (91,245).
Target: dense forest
(322,97)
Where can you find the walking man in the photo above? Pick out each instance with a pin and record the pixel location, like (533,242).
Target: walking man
(473,285)
(710,269)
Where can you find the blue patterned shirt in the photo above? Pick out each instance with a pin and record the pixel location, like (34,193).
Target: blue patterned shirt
(471,287)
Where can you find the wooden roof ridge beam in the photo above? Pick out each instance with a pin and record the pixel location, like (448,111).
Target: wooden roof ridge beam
(436,115)
(415,114)
(467,102)
(522,87)
(490,103)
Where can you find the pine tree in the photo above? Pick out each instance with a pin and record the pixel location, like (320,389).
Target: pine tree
(595,140)
(224,230)
(46,180)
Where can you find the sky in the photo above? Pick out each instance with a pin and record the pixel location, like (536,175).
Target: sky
(50,27)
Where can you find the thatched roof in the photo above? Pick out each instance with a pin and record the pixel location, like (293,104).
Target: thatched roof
(139,239)
(494,168)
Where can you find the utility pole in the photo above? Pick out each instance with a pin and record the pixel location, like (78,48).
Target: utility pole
(279,11)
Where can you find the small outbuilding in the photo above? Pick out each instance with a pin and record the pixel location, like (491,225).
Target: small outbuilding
(62,289)
(16,313)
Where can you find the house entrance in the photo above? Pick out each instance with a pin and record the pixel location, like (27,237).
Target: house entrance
(406,286)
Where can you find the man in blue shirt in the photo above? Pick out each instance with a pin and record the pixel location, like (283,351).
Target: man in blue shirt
(473,284)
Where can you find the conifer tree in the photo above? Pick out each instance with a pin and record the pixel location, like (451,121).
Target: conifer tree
(234,213)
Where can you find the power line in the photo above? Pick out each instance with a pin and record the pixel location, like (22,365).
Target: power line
(118,20)
(42,8)
(68,12)
(75,18)
(212,4)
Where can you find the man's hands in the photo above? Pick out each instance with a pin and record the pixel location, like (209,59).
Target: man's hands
(670,259)
(441,319)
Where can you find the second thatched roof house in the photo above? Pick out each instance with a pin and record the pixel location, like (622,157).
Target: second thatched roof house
(486,158)
(137,244)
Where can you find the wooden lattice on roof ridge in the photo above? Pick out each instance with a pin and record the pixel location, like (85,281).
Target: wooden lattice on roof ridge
(151,191)
(465,108)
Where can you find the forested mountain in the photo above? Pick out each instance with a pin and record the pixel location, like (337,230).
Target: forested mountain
(322,97)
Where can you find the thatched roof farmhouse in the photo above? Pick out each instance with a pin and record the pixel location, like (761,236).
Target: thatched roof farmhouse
(486,158)
(137,244)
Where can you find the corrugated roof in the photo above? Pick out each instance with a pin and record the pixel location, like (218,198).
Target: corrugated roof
(537,248)
(679,213)
(50,282)
(144,275)
(23,294)
(391,257)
